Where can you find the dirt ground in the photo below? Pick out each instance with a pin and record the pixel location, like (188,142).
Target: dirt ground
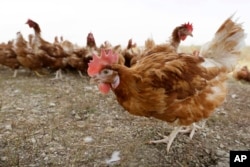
(67,122)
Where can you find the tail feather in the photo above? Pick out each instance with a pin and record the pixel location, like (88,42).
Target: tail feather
(225,47)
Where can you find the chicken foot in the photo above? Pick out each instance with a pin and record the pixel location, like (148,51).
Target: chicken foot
(168,139)
(38,74)
(192,128)
(58,74)
(180,129)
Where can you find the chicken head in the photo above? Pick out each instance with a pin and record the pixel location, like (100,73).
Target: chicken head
(185,30)
(101,74)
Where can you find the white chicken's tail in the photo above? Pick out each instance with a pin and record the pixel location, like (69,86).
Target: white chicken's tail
(225,48)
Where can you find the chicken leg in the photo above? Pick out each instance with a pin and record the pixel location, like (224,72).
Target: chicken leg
(192,128)
(15,73)
(180,129)
(58,74)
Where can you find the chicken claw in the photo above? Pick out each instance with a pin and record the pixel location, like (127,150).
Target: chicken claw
(192,128)
(181,129)
(38,74)
(58,74)
(168,139)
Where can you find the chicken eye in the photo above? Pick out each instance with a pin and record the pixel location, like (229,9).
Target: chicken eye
(105,71)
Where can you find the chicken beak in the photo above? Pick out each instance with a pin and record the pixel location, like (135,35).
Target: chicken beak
(190,34)
(95,79)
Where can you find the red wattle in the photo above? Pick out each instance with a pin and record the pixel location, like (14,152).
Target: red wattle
(104,88)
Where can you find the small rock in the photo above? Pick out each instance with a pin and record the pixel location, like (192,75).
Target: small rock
(236,141)
(109,129)
(221,153)
(217,137)
(43,154)
(88,88)
(73,112)
(80,124)
(233,96)
(221,146)
(8,127)
(77,117)
(203,134)
(19,109)
(52,104)
(4,158)
(222,164)
(207,151)
(88,139)
(46,158)
(16,91)
(33,140)
(52,149)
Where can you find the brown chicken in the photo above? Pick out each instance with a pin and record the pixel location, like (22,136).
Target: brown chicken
(52,55)
(149,44)
(179,34)
(36,39)
(78,61)
(170,86)
(91,45)
(25,55)
(242,74)
(81,56)
(8,57)
(54,58)
(130,53)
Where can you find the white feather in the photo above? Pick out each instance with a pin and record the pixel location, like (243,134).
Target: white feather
(115,157)
(224,49)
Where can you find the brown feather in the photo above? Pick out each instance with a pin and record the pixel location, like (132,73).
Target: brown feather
(176,87)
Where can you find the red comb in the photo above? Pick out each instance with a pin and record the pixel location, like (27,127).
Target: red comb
(189,26)
(99,62)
